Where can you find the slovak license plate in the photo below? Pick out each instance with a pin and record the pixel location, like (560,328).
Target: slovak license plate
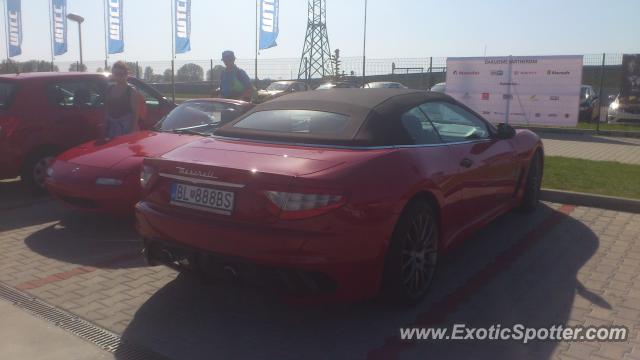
(202,198)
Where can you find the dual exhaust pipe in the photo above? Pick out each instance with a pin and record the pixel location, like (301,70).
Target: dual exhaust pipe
(156,254)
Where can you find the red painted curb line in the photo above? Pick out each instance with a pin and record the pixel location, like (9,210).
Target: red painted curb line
(439,311)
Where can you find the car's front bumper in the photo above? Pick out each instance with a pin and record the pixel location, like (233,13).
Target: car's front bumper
(336,266)
(619,116)
(77,189)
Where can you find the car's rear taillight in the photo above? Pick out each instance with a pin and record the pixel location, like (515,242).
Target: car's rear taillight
(291,205)
(8,124)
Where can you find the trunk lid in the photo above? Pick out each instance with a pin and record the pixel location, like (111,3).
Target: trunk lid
(244,168)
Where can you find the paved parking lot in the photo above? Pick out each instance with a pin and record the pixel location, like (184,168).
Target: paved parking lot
(561,265)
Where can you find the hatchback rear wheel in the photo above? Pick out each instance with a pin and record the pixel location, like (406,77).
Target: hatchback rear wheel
(35,170)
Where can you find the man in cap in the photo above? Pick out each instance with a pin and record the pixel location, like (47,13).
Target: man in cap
(234,82)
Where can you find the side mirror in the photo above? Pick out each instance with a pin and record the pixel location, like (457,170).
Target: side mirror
(506,131)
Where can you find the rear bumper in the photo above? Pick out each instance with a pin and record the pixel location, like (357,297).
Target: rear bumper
(233,270)
(323,263)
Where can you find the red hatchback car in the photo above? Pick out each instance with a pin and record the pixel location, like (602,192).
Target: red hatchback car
(43,114)
(104,177)
(336,195)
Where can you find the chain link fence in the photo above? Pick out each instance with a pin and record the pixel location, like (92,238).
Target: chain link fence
(192,78)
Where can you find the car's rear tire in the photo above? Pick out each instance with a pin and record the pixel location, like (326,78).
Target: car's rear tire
(531,197)
(34,171)
(411,259)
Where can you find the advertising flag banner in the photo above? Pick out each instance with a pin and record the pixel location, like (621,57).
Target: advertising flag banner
(540,90)
(59,23)
(183,26)
(269,16)
(630,91)
(14,27)
(115,28)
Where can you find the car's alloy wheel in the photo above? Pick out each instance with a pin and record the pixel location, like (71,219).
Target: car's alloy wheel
(40,170)
(531,196)
(419,255)
(411,259)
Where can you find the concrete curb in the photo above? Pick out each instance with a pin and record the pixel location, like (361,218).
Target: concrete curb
(612,133)
(591,200)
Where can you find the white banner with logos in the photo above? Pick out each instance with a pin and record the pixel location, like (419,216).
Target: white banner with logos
(536,90)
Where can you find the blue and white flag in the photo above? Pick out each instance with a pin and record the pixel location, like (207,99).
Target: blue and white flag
(59,23)
(115,26)
(182,14)
(269,10)
(14,27)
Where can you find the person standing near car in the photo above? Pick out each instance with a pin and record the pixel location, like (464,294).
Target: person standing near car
(122,103)
(234,82)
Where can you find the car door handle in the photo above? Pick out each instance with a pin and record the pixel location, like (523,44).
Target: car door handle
(466,163)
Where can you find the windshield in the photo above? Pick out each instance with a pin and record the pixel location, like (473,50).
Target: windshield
(202,116)
(7,90)
(583,93)
(326,86)
(383,85)
(438,88)
(278,86)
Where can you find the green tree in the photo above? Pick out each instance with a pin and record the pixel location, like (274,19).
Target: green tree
(166,75)
(217,72)
(26,66)
(78,67)
(148,74)
(190,72)
(134,69)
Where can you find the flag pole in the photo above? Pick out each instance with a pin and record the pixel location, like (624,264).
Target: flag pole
(364,46)
(257,40)
(51,33)
(6,33)
(105,15)
(173,51)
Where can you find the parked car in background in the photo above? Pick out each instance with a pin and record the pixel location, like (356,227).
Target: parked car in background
(624,110)
(338,85)
(104,176)
(384,85)
(439,87)
(336,195)
(43,114)
(280,88)
(589,104)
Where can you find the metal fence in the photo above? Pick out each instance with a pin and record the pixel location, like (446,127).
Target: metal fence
(193,77)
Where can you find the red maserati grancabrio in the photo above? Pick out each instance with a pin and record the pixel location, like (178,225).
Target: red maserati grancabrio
(103,176)
(337,195)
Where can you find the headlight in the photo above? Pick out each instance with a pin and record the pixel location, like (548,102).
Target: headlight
(108,182)
(614,105)
(145,175)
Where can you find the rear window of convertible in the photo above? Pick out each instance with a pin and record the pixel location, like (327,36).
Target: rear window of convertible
(303,122)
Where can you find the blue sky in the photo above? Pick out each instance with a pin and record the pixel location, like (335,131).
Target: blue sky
(399,28)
